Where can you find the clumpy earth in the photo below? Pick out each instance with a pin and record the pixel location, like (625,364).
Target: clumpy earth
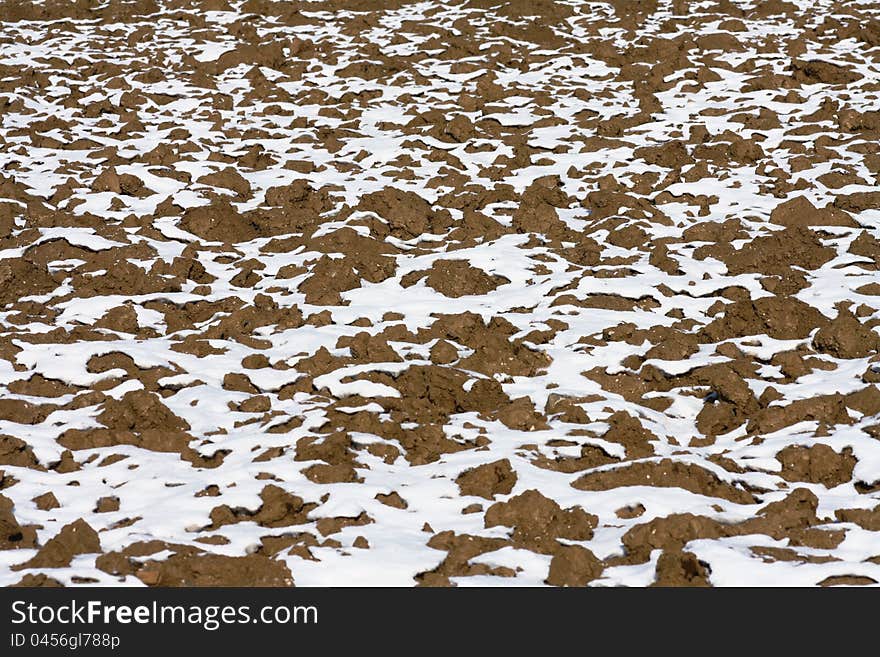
(483,292)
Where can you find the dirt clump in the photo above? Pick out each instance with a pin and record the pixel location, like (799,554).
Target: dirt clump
(408,214)
(278,508)
(228,179)
(814,71)
(392,499)
(74,539)
(46,502)
(573,565)
(846,337)
(40,580)
(457,278)
(328,279)
(21,278)
(670,533)
(431,393)
(798,211)
(537,521)
(865,518)
(301,198)
(537,211)
(521,414)
(107,504)
(39,386)
(220,222)
(140,411)
(626,430)
(443,353)
(794,246)
(216,570)
(847,580)
(791,517)
(140,419)
(665,473)
(12,534)
(488,480)
(781,318)
(461,549)
(16,452)
(124,277)
(828,410)
(818,464)
(122,319)
(680,569)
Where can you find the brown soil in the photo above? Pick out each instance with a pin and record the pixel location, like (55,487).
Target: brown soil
(618,232)
(12,534)
(215,570)
(456,278)
(665,473)
(488,480)
(537,521)
(73,539)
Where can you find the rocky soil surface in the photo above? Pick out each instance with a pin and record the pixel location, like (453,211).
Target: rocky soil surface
(378,292)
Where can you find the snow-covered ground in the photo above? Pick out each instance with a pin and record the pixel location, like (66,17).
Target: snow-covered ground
(476,293)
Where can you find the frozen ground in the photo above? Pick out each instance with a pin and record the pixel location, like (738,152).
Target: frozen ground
(375,292)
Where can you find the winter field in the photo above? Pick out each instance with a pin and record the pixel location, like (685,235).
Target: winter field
(484,293)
